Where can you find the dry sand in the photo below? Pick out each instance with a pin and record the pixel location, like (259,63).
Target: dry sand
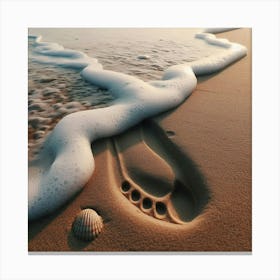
(192,164)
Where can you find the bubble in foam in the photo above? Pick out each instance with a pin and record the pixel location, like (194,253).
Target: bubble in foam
(46,79)
(143,56)
(61,86)
(37,106)
(57,105)
(72,105)
(49,91)
(38,134)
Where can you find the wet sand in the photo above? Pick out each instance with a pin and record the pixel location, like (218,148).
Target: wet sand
(188,172)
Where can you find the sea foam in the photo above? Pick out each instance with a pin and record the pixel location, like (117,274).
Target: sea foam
(65,162)
(55,54)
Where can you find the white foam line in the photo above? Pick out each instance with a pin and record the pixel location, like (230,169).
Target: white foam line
(66,163)
(55,54)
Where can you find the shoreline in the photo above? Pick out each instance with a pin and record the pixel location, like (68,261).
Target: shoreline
(219,112)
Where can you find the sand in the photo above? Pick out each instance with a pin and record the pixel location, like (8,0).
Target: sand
(194,161)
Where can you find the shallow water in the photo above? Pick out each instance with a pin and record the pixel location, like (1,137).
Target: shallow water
(144,53)
(134,51)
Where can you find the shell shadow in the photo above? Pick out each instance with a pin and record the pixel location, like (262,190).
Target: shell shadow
(75,244)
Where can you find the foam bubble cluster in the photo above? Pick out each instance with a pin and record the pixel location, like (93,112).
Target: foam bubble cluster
(66,163)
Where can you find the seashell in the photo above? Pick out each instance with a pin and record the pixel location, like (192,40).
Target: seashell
(87,225)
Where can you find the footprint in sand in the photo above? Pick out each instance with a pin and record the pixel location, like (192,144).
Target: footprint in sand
(157,177)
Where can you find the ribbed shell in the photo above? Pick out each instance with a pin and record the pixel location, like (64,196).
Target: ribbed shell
(87,225)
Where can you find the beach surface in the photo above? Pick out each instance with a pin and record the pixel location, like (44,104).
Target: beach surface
(194,160)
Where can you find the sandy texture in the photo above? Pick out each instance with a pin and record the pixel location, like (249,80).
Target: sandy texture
(188,173)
